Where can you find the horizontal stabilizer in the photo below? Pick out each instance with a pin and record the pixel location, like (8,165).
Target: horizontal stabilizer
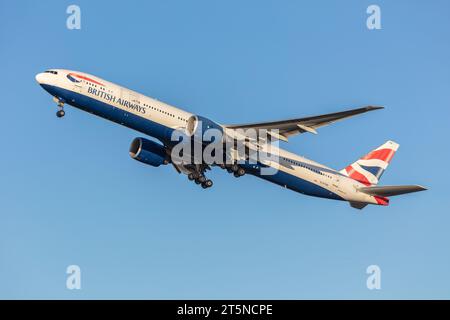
(358,205)
(387,191)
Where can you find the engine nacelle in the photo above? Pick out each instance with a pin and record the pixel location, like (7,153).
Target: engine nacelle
(148,152)
(198,125)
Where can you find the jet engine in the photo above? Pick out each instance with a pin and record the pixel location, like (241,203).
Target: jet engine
(148,152)
(197,126)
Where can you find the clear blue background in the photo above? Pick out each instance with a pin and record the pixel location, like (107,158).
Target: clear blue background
(70,193)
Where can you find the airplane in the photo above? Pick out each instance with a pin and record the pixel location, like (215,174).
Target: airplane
(357,183)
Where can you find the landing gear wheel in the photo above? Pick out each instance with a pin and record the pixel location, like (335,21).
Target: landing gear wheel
(191,176)
(60,113)
(202,179)
(234,167)
(207,184)
(241,171)
(197,181)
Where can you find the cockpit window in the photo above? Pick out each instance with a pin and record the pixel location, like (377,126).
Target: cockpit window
(51,71)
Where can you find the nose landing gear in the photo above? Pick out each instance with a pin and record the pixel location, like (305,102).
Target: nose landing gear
(60,113)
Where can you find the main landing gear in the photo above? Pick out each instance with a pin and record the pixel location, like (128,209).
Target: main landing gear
(199,178)
(60,113)
(236,170)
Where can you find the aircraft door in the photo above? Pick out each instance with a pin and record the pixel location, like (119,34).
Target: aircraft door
(337,182)
(133,99)
(77,87)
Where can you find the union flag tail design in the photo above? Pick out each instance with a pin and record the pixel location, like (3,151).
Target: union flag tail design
(368,169)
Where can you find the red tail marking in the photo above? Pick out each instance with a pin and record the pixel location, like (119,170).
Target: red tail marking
(352,173)
(382,201)
(381,154)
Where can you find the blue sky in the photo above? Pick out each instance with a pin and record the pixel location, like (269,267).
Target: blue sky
(72,195)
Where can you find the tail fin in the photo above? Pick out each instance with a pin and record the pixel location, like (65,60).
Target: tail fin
(368,169)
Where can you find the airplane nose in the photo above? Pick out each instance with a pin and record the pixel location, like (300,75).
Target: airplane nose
(39,78)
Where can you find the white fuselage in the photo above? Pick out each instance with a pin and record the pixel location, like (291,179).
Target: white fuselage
(158,119)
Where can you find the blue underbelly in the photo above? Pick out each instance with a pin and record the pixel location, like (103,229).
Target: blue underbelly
(112,113)
(292,182)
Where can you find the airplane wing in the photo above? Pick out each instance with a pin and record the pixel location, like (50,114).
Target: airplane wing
(287,128)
